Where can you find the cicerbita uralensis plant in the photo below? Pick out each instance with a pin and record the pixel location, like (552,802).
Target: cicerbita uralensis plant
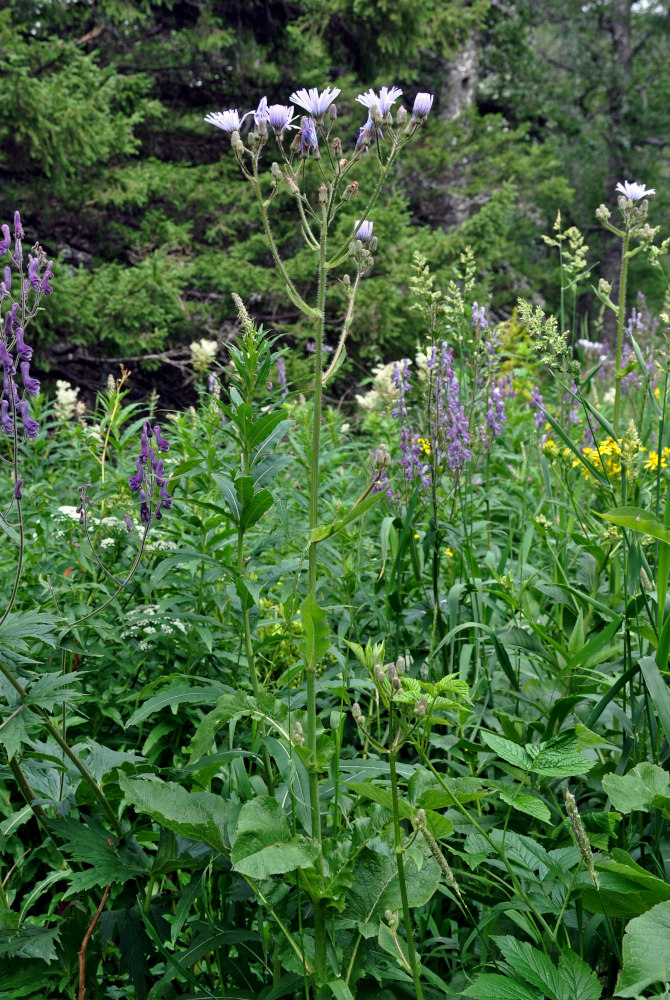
(317,171)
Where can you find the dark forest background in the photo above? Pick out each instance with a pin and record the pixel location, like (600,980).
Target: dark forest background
(539,106)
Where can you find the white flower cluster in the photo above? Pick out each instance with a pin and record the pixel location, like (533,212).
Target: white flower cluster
(65,405)
(383,393)
(203,352)
(148,621)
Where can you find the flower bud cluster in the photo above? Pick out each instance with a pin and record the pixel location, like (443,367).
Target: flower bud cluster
(149,480)
(21,300)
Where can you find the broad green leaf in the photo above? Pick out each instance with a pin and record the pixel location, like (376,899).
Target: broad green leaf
(645,786)
(376,887)
(582,983)
(491,986)
(637,519)
(340,990)
(511,752)
(646,951)
(272,439)
(197,815)
(181,693)
(254,508)
(323,531)
(524,803)
(533,966)
(227,489)
(658,689)
(438,825)
(295,777)
(316,631)
(263,844)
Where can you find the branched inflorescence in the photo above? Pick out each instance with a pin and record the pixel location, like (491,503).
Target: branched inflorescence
(149,480)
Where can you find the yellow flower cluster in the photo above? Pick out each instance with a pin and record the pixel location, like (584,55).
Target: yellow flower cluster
(424,444)
(605,457)
(653,460)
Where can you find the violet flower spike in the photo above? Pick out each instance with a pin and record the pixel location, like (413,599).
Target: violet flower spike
(161,443)
(30,425)
(18,228)
(228,121)
(385,101)
(315,103)
(634,190)
(30,384)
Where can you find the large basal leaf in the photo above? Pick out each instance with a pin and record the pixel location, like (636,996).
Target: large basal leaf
(263,844)
(491,986)
(646,951)
(376,887)
(196,815)
(645,786)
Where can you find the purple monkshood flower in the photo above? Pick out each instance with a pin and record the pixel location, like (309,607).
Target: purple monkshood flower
(148,479)
(161,443)
(30,384)
(136,481)
(315,103)
(18,228)
(8,278)
(6,360)
(634,190)
(478,317)
(422,104)
(228,121)
(5,419)
(129,523)
(451,434)
(384,101)
(496,418)
(33,274)
(30,426)
(412,456)
(6,240)
(363,230)
(48,273)
(18,495)
(24,352)
(537,403)
(281,117)
(307,140)
(571,400)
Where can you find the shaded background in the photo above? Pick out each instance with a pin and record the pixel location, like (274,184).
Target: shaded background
(539,106)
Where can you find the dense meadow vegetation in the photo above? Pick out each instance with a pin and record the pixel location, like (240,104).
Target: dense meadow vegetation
(349,679)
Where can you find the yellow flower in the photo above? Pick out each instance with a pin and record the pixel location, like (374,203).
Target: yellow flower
(652,461)
(448,553)
(550,448)
(424,445)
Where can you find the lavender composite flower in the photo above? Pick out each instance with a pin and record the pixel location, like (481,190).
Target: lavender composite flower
(262,114)
(423,102)
(315,103)
(228,121)
(634,190)
(307,140)
(384,100)
(363,230)
(280,117)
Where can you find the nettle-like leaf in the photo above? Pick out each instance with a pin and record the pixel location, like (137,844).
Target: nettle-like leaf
(263,844)
(437,694)
(532,974)
(90,843)
(646,786)
(376,887)
(559,757)
(264,708)
(646,951)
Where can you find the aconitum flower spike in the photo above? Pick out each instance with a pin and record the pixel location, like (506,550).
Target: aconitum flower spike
(46,287)
(6,240)
(385,101)
(5,419)
(129,523)
(18,495)
(30,384)
(166,498)
(161,443)
(22,349)
(8,278)
(422,104)
(280,117)
(6,360)
(30,426)
(315,103)
(18,228)
(634,190)
(228,121)
(33,274)
(136,481)
(363,230)
(144,446)
(9,388)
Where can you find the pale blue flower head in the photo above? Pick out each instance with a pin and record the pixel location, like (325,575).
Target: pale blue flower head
(633,190)
(229,121)
(307,140)
(384,101)
(280,117)
(363,230)
(422,104)
(261,114)
(315,103)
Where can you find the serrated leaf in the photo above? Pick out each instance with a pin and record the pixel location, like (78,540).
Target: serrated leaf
(531,805)
(646,951)
(645,786)
(581,981)
(533,966)
(511,752)
(263,844)
(181,693)
(491,986)
(196,815)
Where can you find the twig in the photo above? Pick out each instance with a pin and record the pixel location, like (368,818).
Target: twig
(81,992)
